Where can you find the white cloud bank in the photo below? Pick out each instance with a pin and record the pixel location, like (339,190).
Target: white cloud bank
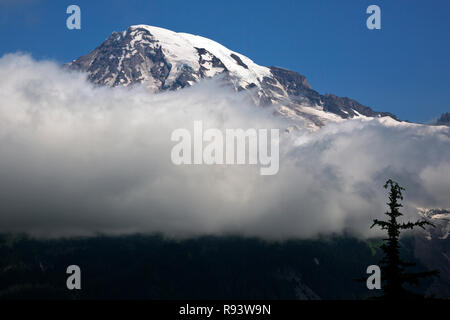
(78,160)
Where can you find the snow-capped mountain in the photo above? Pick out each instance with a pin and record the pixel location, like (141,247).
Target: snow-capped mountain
(161,59)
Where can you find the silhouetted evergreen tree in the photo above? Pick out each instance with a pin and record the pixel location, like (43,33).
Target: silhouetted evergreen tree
(393,273)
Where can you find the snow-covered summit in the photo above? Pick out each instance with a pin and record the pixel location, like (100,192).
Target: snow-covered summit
(143,54)
(162,59)
(183,48)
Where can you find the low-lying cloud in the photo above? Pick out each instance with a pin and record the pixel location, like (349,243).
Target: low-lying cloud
(80,160)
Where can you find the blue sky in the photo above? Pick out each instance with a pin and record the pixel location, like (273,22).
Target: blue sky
(404,68)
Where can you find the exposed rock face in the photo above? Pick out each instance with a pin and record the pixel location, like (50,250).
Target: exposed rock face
(444,120)
(432,248)
(296,86)
(347,108)
(162,60)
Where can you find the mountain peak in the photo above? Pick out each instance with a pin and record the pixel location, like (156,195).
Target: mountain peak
(161,59)
(444,120)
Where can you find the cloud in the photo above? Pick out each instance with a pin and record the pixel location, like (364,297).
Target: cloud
(80,160)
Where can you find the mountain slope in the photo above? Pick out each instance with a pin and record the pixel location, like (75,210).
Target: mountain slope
(432,248)
(161,59)
(444,120)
